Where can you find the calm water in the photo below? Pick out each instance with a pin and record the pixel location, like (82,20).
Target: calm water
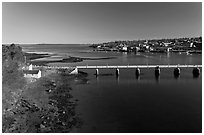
(130,104)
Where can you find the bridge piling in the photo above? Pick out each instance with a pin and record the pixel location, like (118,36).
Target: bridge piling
(157,71)
(177,72)
(97,72)
(137,72)
(117,72)
(196,72)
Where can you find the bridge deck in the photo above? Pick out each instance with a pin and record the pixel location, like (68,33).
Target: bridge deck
(140,66)
(126,66)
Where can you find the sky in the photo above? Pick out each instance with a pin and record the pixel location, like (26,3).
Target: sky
(84,23)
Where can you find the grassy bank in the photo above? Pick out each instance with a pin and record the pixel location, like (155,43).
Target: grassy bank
(45,105)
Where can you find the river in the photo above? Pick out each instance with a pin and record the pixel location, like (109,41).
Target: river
(126,104)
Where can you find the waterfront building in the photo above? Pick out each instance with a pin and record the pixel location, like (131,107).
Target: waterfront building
(125,48)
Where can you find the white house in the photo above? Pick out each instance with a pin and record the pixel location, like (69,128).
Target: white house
(124,48)
(30,73)
(30,67)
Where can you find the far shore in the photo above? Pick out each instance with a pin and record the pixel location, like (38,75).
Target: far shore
(34,56)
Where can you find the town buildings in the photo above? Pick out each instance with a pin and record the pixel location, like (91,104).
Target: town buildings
(192,45)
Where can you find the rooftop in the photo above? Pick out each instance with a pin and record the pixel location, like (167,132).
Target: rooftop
(30,71)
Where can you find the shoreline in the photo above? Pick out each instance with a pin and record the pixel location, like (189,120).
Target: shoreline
(33,58)
(61,89)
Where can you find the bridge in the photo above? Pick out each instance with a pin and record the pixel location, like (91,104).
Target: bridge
(138,66)
(196,68)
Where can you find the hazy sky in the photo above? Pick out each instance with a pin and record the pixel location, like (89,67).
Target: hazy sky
(98,22)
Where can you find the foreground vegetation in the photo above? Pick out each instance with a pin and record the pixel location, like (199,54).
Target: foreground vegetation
(45,105)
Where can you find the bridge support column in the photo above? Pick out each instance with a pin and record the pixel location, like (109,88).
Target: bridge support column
(157,71)
(117,72)
(196,72)
(177,72)
(137,72)
(97,72)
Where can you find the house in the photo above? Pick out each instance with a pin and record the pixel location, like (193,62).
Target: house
(125,48)
(166,44)
(30,73)
(30,67)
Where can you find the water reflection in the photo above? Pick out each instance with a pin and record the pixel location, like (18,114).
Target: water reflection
(196,72)
(118,79)
(97,78)
(157,77)
(176,76)
(137,77)
(167,55)
(195,76)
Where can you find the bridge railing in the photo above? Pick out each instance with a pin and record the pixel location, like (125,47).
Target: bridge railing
(139,66)
(118,66)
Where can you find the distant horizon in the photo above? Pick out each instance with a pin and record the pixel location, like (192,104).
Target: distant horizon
(102,42)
